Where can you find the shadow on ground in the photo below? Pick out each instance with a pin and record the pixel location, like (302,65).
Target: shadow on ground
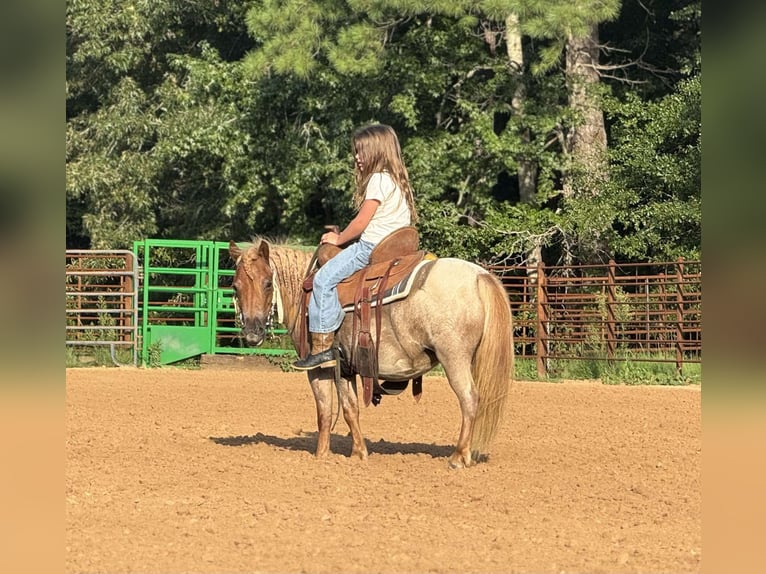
(340,443)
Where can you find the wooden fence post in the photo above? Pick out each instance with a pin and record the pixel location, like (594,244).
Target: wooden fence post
(541,333)
(662,308)
(647,315)
(611,301)
(680,315)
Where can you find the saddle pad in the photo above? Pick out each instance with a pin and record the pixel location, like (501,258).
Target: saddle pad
(399,290)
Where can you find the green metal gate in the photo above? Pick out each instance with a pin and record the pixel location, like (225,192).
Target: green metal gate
(185,301)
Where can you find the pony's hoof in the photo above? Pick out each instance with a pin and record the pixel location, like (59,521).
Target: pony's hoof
(457,461)
(360,454)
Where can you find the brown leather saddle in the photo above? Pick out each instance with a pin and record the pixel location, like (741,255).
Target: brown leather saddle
(393,263)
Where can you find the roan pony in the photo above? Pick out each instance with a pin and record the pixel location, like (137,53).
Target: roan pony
(456,314)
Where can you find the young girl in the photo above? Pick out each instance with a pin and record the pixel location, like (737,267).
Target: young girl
(385,203)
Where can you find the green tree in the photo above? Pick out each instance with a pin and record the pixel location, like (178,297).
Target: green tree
(652,201)
(469,58)
(654,196)
(221,120)
(153,140)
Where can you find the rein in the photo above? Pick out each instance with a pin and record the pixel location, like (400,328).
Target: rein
(301,321)
(302,310)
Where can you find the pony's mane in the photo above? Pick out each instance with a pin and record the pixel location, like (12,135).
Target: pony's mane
(277,242)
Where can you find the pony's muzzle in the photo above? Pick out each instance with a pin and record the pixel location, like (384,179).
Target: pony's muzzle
(254,334)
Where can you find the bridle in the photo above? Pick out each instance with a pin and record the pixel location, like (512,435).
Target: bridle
(239,319)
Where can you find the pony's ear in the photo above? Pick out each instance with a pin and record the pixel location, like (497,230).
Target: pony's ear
(263,249)
(234,250)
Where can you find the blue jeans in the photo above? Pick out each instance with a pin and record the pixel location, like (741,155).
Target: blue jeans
(325,312)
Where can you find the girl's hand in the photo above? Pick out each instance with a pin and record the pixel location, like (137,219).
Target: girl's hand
(356,227)
(330,237)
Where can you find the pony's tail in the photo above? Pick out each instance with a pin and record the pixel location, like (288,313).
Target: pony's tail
(492,366)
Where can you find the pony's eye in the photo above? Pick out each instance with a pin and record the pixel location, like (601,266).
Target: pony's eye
(267,284)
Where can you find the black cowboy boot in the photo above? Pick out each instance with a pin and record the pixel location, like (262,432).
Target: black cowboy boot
(322,353)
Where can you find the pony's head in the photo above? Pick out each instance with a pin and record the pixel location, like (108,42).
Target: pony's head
(253,289)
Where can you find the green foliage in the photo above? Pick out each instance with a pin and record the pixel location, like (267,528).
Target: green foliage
(96,356)
(97,332)
(650,373)
(152,131)
(357,50)
(289,34)
(525,369)
(224,120)
(154,354)
(555,21)
(660,45)
(284,362)
(655,190)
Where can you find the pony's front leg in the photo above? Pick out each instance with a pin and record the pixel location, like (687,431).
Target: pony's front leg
(321,382)
(350,404)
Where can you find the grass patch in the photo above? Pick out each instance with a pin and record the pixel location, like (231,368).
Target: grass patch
(96,356)
(635,370)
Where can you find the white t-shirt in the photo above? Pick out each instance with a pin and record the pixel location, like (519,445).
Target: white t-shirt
(392,213)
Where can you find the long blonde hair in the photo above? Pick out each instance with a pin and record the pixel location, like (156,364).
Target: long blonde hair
(379,149)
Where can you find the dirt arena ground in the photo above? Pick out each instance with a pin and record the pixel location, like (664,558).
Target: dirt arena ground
(212,471)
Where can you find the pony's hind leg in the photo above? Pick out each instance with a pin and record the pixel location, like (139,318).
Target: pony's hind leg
(461,381)
(349,402)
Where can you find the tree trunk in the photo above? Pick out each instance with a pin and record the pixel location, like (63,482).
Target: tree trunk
(586,141)
(527,169)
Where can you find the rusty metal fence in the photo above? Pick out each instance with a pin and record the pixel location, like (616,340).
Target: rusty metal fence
(615,312)
(102,304)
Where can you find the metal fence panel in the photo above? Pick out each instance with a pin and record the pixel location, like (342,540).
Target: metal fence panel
(635,311)
(101,304)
